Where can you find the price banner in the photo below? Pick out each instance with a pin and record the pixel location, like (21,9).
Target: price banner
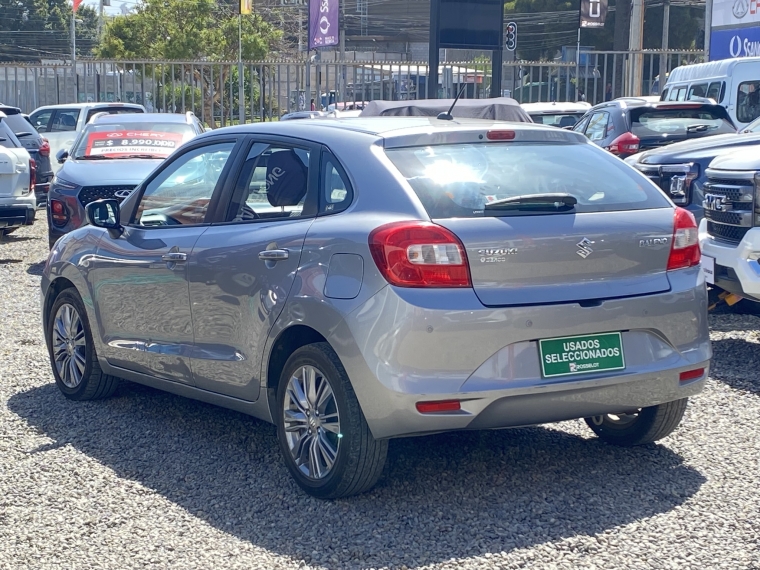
(119,144)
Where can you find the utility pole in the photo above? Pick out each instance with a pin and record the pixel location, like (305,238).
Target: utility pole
(664,57)
(343,71)
(635,44)
(74,54)
(241,78)
(708,26)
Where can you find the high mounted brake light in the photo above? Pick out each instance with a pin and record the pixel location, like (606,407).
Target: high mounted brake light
(500,135)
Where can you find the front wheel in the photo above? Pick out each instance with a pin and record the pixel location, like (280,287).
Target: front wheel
(323,436)
(642,426)
(72,353)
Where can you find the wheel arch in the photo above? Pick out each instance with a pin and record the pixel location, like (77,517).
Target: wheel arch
(55,288)
(287,342)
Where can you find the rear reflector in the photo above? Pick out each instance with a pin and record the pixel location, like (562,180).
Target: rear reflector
(500,135)
(691,374)
(437,407)
(685,249)
(419,254)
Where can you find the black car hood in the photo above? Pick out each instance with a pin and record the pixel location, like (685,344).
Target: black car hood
(95,172)
(695,149)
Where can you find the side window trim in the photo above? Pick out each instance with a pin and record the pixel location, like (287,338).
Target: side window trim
(215,197)
(328,156)
(233,179)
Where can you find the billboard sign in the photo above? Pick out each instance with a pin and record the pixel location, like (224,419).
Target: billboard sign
(737,42)
(735,13)
(323,23)
(593,13)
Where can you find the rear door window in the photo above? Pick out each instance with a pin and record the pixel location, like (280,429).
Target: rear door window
(597,126)
(651,122)
(64,120)
(715,91)
(459,180)
(748,101)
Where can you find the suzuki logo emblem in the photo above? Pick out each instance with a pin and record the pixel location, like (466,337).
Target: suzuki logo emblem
(584,249)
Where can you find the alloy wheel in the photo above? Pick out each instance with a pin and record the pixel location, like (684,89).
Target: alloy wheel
(311,422)
(69,344)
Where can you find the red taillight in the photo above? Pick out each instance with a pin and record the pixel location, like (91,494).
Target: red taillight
(32,173)
(685,249)
(419,254)
(438,407)
(58,213)
(627,143)
(45,148)
(500,135)
(691,374)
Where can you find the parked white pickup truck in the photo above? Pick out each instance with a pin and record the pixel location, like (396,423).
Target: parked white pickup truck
(729,234)
(18,203)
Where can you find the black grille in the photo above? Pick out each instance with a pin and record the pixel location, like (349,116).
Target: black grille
(91,193)
(731,234)
(733,191)
(724,217)
(663,181)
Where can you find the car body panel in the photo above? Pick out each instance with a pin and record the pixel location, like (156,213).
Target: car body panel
(398,345)
(17,199)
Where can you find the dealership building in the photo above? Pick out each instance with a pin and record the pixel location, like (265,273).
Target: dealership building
(735,29)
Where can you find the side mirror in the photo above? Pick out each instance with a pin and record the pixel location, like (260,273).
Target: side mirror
(61,156)
(105,214)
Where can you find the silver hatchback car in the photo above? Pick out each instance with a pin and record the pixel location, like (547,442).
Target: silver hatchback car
(358,280)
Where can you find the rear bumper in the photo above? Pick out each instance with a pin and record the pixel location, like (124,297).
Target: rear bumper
(17,211)
(737,269)
(407,349)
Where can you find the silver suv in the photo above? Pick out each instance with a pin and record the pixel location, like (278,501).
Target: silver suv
(358,280)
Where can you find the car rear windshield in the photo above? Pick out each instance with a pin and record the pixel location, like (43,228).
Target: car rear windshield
(112,111)
(654,122)
(132,140)
(556,119)
(18,123)
(459,180)
(7,138)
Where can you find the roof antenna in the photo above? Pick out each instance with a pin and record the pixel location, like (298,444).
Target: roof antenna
(447,115)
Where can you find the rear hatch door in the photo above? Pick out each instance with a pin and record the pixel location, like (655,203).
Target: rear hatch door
(665,123)
(614,241)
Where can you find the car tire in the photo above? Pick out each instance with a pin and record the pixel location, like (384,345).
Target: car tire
(340,434)
(645,426)
(72,353)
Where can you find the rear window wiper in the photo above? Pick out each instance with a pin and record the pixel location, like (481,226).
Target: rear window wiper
(697,128)
(552,202)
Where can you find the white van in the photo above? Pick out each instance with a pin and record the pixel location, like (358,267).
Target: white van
(733,83)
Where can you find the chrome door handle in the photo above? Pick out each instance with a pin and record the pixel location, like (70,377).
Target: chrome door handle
(273,254)
(174,257)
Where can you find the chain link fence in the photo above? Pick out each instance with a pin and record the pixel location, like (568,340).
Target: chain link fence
(227,93)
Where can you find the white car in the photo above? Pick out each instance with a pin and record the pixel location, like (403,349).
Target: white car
(61,124)
(18,202)
(729,234)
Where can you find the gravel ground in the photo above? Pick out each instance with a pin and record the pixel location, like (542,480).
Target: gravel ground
(148,479)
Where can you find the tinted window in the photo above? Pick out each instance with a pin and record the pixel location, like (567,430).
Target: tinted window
(180,195)
(652,122)
(581,126)
(748,101)
(19,124)
(557,119)
(145,140)
(459,180)
(273,184)
(698,90)
(112,111)
(10,140)
(597,127)
(40,120)
(714,91)
(65,120)
(664,95)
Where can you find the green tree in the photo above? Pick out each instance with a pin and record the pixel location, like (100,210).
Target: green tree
(32,30)
(190,30)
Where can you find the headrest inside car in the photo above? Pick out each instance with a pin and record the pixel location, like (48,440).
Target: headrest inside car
(286,179)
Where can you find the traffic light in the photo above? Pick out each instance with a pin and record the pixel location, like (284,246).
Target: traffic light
(511,42)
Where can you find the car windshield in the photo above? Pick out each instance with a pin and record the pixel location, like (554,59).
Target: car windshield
(131,140)
(459,181)
(654,122)
(556,119)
